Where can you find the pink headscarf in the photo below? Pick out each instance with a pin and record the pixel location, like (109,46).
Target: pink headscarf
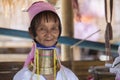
(38,7)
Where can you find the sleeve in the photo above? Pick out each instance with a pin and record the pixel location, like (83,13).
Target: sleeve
(67,74)
(20,74)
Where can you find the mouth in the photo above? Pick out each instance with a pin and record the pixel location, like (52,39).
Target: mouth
(49,40)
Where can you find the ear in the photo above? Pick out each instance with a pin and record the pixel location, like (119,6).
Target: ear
(36,38)
(31,33)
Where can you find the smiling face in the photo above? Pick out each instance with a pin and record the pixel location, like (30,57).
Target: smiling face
(45,28)
(47,32)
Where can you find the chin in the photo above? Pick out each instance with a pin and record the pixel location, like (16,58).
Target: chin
(49,45)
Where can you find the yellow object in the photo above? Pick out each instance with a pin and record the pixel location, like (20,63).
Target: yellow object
(45,62)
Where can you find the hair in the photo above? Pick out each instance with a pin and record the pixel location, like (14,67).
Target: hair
(46,16)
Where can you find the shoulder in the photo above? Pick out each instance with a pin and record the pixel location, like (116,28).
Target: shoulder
(68,73)
(20,74)
(66,69)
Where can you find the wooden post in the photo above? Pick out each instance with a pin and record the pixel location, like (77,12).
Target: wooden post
(67,27)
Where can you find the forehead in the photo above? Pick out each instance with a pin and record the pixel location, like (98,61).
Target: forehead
(50,20)
(43,17)
(48,16)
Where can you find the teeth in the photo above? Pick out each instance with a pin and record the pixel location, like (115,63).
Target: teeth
(48,40)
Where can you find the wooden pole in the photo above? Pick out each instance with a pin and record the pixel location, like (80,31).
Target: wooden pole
(67,27)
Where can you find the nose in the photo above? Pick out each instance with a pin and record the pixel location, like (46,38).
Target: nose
(48,33)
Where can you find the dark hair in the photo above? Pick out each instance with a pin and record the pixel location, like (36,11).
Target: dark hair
(46,15)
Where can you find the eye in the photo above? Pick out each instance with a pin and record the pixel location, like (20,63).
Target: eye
(42,29)
(55,28)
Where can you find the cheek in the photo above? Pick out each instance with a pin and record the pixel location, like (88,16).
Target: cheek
(39,35)
(56,34)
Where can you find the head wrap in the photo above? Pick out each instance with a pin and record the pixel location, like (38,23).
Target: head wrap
(38,7)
